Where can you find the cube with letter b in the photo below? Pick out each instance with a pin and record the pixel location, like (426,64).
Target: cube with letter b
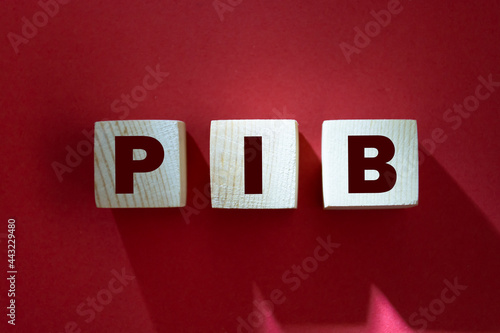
(254,163)
(140,163)
(369,164)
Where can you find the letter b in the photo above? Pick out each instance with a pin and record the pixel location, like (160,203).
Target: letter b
(346,164)
(358,164)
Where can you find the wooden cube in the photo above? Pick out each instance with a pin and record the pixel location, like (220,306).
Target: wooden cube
(140,163)
(278,160)
(361,170)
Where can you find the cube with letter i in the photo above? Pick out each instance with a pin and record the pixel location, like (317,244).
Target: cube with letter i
(140,163)
(369,164)
(254,163)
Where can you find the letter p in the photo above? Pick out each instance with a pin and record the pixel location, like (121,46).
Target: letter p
(140,163)
(126,165)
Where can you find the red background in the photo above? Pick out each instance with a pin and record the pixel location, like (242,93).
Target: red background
(266,59)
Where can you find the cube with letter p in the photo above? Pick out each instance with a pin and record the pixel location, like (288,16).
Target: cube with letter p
(140,163)
(369,164)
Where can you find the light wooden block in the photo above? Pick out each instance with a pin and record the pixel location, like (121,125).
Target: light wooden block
(163,187)
(334,155)
(279,163)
